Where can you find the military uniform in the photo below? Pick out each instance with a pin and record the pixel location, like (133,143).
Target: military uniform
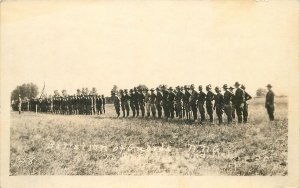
(153,102)
(219,104)
(159,98)
(132,102)
(99,105)
(126,102)
(147,101)
(245,109)
(103,103)
(209,105)
(165,103)
(171,103)
(136,102)
(239,102)
(193,102)
(116,103)
(122,98)
(228,103)
(178,105)
(201,101)
(186,103)
(20,104)
(270,103)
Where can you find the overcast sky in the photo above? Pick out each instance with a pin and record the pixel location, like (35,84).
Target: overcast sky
(99,44)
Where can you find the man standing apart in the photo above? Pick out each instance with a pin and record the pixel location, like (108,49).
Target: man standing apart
(270,102)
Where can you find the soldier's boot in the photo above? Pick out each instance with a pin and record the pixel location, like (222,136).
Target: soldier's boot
(123,113)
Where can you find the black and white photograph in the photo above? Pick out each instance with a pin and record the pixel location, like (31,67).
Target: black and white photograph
(142,89)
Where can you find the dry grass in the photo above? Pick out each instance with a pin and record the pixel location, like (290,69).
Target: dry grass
(43,144)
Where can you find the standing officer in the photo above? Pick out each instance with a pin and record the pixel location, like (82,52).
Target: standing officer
(147,101)
(127,99)
(116,100)
(219,104)
(159,98)
(209,104)
(99,105)
(245,109)
(186,102)
(165,103)
(201,101)
(270,102)
(132,102)
(19,104)
(193,101)
(239,101)
(122,98)
(228,103)
(171,102)
(152,102)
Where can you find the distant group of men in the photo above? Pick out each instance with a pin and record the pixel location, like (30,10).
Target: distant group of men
(185,103)
(68,105)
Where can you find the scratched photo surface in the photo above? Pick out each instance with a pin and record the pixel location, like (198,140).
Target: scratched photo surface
(96,93)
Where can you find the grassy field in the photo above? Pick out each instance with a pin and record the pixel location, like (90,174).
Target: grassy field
(43,144)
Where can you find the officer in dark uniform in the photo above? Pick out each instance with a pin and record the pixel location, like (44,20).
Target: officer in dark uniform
(171,102)
(132,102)
(219,105)
(193,101)
(99,105)
(239,101)
(270,102)
(245,109)
(126,102)
(228,103)
(158,102)
(209,103)
(116,100)
(201,101)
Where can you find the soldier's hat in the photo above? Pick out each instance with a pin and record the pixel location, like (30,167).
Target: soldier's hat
(177,87)
(200,86)
(125,90)
(170,88)
(146,89)
(131,90)
(151,89)
(236,84)
(121,90)
(192,86)
(163,86)
(208,86)
(186,87)
(157,89)
(225,86)
(269,86)
(217,88)
(243,86)
(231,87)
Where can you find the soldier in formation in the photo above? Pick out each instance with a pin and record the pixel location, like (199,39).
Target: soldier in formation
(186,102)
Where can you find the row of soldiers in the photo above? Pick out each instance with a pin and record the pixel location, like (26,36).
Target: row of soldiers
(184,102)
(68,105)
